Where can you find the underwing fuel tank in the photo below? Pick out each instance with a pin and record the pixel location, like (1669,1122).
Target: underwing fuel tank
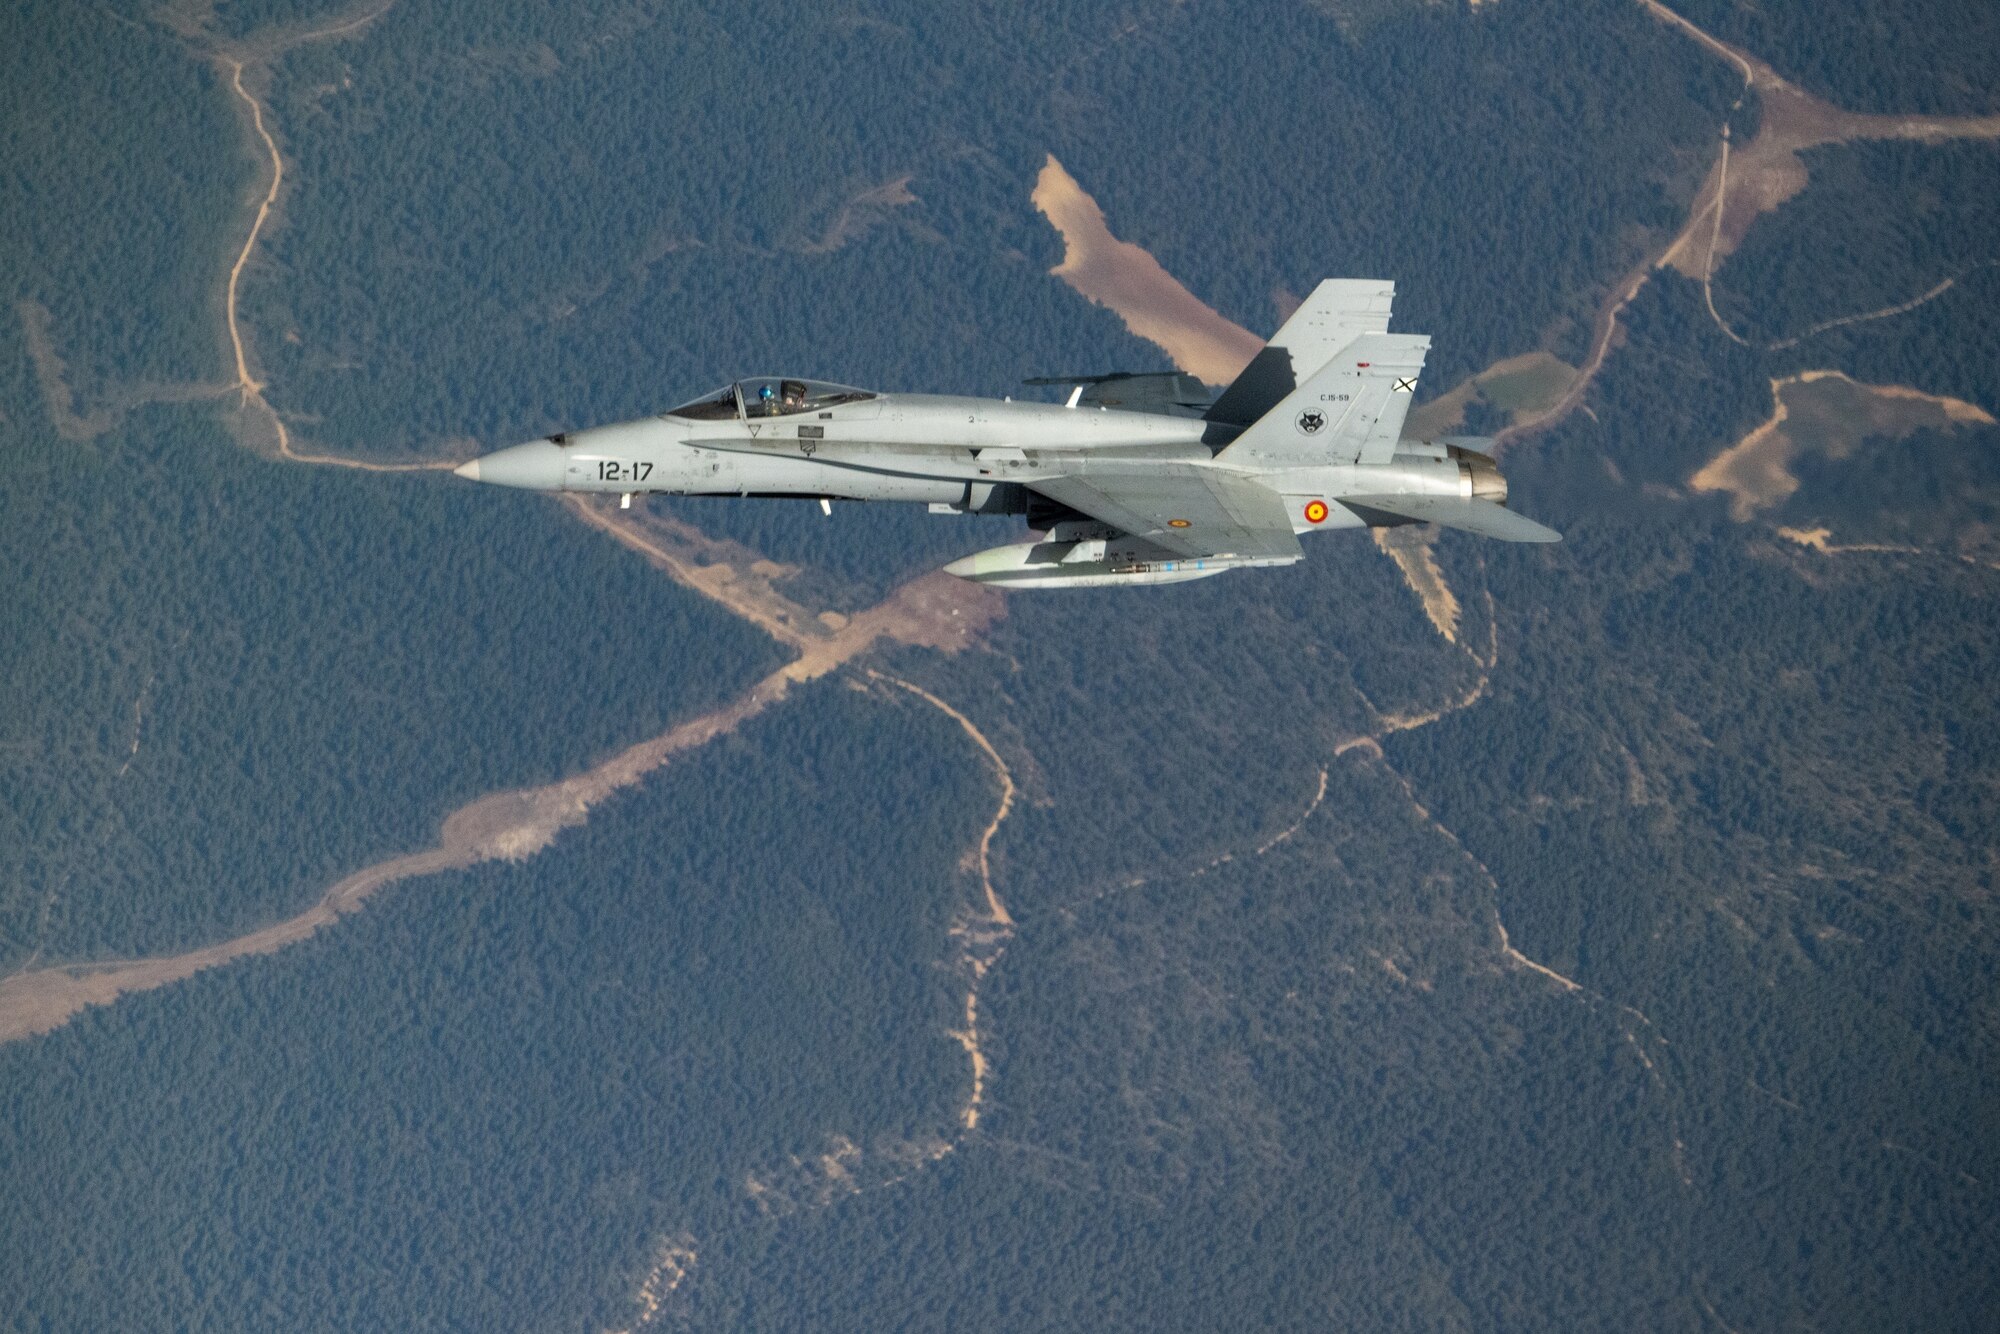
(1085,556)
(1029,565)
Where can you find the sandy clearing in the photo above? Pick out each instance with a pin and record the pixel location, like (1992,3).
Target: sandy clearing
(855,217)
(1821,540)
(1130,282)
(1824,411)
(672,1263)
(1767,171)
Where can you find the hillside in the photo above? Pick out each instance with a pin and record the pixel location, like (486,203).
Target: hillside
(1432,934)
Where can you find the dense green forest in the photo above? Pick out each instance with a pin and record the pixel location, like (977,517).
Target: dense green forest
(1882,224)
(119,199)
(1927,56)
(1244,1068)
(231,682)
(483,1107)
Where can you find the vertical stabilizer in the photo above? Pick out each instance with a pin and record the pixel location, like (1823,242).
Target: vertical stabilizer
(1351,411)
(1338,311)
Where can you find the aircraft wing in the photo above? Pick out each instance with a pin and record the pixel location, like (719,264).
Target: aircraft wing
(1190,511)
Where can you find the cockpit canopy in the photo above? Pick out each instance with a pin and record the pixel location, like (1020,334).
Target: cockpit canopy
(770,396)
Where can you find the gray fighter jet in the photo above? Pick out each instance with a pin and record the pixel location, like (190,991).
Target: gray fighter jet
(1137,479)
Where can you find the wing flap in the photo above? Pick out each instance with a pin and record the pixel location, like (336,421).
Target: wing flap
(1190,511)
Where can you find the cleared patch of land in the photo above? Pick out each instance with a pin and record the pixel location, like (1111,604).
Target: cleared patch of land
(1525,386)
(1825,412)
(866,209)
(1413,548)
(1129,281)
(1756,177)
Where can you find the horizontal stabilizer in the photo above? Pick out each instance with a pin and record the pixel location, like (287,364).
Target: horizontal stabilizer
(1473,516)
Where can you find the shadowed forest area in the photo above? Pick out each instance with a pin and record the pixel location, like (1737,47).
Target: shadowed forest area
(1626,960)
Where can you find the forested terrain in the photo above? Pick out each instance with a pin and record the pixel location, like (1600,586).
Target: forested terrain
(234,682)
(1933,56)
(483,1108)
(1882,224)
(118,200)
(1627,963)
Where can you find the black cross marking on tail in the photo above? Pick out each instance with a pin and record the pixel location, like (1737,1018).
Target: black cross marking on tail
(1406,385)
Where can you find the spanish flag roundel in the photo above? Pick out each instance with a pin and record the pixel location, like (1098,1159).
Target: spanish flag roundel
(1315,511)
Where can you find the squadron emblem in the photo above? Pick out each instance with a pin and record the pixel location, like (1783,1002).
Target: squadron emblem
(1310,421)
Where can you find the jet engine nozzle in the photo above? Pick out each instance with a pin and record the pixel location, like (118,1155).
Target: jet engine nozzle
(1479,477)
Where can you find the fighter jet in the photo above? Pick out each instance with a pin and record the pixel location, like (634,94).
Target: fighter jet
(1138,478)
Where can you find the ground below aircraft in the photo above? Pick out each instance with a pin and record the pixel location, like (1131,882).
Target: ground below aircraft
(1137,479)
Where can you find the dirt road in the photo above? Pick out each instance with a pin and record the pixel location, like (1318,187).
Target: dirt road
(935,611)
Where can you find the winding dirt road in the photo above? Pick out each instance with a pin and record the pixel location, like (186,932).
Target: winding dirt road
(1746,182)
(935,611)
(249,389)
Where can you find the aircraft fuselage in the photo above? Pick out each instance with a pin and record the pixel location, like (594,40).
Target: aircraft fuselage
(969,455)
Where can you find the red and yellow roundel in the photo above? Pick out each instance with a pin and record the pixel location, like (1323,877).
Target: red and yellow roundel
(1315,511)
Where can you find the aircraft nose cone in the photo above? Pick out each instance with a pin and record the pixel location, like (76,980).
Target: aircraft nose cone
(537,465)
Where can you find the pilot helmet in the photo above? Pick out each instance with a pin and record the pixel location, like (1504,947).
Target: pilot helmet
(766,393)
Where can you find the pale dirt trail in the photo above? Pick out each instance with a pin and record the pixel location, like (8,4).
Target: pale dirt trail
(250,390)
(936,611)
(1886,312)
(983,942)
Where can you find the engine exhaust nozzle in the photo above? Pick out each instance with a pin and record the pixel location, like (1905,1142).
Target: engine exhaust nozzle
(1479,477)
